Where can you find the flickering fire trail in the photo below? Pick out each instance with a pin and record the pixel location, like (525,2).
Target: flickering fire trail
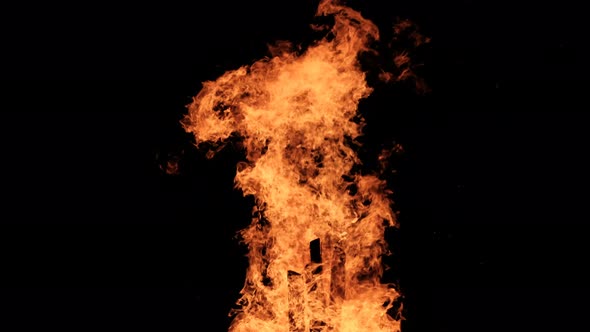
(317,234)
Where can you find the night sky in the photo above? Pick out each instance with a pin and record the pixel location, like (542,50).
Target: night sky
(491,187)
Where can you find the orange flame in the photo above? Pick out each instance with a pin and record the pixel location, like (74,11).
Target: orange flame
(295,116)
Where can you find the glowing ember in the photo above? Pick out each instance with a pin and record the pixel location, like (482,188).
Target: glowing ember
(316,240)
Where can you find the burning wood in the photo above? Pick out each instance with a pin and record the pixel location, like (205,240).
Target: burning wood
(296,301)
(315,245)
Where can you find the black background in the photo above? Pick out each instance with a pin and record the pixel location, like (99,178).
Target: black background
(491,186)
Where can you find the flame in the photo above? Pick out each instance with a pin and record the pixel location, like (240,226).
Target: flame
(317,235)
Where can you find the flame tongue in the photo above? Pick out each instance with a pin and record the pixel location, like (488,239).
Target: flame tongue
(295,114)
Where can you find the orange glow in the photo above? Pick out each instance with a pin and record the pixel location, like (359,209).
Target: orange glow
(294,114)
